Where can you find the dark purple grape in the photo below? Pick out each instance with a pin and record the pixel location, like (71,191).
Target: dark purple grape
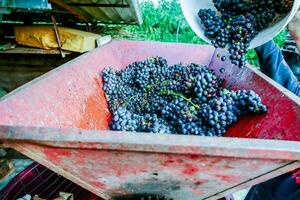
(239,23)
(150,96)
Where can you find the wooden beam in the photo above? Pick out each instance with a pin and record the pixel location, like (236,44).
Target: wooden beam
(99,5)
(69,8)
(31,50)
(57,36)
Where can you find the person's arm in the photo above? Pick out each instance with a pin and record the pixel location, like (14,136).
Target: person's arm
(294,28)
(273,65)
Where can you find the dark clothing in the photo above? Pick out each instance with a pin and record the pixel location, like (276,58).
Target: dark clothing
(272,64)
(283,187)
(293,60)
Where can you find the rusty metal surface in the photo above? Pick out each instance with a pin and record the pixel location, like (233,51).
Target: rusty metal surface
(72,97)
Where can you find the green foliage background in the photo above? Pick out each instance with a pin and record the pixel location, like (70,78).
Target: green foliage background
(165,22)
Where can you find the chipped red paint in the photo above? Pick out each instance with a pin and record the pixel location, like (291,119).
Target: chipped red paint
(199,182)
(72,96)
(99,185)
(190,169)
(228,179)
(52,154)
(169,162)
(197,192)
(194,157)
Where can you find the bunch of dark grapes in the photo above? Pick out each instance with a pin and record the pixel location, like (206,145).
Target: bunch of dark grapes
(150,96)
(125,120)
(283,6)
(239,22)
(152,123)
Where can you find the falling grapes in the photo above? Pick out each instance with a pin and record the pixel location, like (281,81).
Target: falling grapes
(240,21)
(150,96)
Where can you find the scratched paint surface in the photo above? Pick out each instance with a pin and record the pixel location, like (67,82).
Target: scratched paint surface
(175,176)
(72,96)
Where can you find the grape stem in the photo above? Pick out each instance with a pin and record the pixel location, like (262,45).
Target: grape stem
(148,89)
(127,101)
(168,92)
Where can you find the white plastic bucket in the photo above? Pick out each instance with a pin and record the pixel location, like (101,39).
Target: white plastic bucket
(190,10)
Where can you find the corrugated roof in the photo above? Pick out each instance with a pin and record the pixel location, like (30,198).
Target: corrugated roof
(106,11)
(72,11)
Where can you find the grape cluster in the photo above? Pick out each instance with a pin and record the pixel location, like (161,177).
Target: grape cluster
(150,96)
(283,6)
(240,22)
(125,120)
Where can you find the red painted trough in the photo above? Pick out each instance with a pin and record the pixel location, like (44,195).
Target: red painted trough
(113,164)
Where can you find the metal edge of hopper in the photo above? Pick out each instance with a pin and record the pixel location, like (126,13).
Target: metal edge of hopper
(145,142)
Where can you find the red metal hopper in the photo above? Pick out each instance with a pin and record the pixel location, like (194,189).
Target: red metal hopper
(114,164)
